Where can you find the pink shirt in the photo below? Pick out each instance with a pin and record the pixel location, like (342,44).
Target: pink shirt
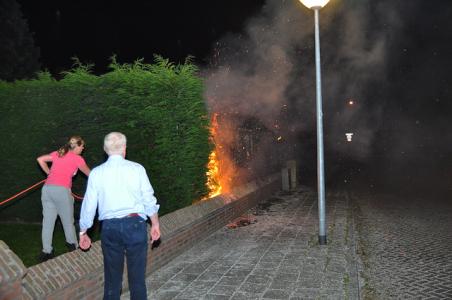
(63,168)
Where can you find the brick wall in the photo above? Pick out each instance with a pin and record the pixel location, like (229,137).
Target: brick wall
(11,272)
(79,275)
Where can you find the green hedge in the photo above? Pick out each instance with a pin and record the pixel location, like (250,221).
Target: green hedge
(158,106)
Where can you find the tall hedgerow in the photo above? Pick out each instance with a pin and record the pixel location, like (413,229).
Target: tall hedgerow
(158,106)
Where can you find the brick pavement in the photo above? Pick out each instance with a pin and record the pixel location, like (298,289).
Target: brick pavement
(405,245)
(275,257)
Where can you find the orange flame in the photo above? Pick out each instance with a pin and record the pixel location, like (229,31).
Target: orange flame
(220,166)
(213,175)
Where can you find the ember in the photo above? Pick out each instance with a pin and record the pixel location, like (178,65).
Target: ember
(242,221)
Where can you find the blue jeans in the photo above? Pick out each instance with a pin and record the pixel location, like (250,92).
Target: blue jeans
(124,236)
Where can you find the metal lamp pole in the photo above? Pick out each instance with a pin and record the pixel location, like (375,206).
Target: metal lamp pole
(316,5)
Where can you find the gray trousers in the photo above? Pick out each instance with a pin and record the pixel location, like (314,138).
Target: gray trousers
(57,201)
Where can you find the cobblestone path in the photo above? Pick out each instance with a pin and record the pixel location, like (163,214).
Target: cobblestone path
(406,247)
(277,256)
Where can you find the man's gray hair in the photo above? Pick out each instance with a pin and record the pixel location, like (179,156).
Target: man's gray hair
(114,143)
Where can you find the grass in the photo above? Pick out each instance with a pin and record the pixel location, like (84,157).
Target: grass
(25,240)
(346,286)
(312,242)
(362,250)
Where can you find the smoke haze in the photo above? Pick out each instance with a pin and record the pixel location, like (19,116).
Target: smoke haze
(267,73)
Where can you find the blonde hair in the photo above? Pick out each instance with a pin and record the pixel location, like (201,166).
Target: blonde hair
(73,142)
(114,143)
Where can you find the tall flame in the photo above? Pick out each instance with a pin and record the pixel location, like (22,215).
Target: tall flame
(220,166)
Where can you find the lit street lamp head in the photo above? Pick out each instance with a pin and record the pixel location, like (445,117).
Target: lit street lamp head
(314,4)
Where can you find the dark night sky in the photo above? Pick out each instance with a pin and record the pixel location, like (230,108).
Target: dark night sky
(94,30)
(392,57)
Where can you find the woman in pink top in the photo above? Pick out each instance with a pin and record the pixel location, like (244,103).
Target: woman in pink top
(56,195)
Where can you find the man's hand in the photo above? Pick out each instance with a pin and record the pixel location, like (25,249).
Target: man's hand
(155,233)
(155,229)
(85,242)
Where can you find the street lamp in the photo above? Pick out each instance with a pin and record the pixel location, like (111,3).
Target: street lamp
(316,5)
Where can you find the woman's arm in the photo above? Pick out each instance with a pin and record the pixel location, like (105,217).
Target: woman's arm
(43,160)
(84,168)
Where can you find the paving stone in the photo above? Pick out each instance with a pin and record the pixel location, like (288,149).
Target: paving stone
(268,264)
(236,281)
(276,294)
(185,277)
(286,277)
(305,293)
(173,286)
(278,285)
(245,296)
(163,295)
(310,282)
(194,269)
(203,286)
(211,275)
(226,290)
(238,272)
(215,297)
(258,279)
(251,287)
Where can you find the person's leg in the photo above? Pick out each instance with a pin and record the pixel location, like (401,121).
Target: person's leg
(113,251)
(136,253)
(49,215)
(65,208)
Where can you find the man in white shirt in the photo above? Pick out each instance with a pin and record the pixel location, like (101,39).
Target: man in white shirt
(121,190)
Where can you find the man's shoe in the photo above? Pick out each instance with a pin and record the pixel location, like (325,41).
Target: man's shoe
(46,256)
(71,247)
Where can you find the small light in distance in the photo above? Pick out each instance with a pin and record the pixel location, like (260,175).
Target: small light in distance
(351,102)
(349,136)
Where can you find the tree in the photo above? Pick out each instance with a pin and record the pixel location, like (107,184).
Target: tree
(19,57)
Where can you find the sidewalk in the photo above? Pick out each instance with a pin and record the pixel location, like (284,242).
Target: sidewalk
(276,256)
(404,242)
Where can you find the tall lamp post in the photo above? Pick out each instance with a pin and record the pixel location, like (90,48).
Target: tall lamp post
(316,5)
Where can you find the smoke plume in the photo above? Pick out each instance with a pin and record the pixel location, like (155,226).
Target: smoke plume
(265,77)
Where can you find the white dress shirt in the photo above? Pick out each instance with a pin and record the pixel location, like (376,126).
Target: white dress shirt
(117,187)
